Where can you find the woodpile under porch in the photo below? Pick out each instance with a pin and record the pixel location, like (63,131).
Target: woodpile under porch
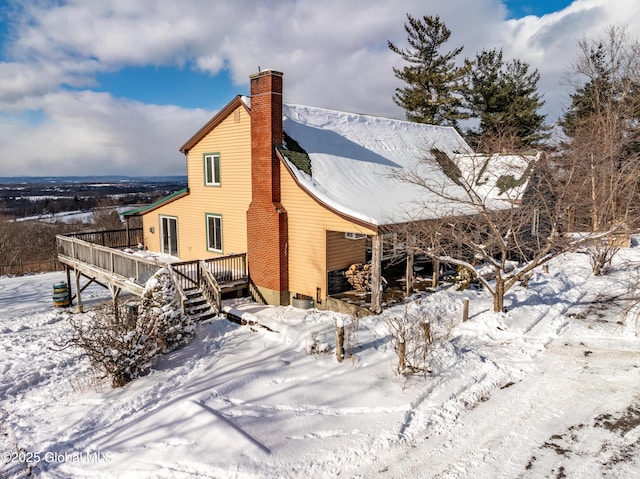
(383,271)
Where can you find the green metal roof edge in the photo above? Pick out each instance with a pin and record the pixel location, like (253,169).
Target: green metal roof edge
(155,204)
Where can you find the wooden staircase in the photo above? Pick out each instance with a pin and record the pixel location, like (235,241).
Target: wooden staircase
(197,306)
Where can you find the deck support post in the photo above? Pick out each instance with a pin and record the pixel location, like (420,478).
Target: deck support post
(115,292)
(409,271)
(68,271)
(78,291)
(128,233)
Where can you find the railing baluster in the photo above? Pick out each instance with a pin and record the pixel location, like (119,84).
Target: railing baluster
(108,238)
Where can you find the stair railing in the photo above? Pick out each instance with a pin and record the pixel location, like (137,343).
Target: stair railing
(209,287)
(181,293)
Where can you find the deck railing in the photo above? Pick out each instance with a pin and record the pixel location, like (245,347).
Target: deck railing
(228,269)
(225,269)
(187,274)
(212,275)
(108,259)
(111,238)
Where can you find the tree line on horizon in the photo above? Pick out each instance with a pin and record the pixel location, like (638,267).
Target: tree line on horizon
(30,246)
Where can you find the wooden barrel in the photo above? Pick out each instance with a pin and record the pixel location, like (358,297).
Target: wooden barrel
(61,297)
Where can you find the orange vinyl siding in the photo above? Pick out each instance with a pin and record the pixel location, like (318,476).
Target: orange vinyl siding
(342,252)
(309,222)
(231,140)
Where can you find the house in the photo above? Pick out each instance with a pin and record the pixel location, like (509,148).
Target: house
(303,191)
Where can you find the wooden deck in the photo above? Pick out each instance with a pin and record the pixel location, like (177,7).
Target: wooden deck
(105,257)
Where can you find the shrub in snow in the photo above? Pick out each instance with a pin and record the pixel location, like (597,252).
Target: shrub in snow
(161,316)
(411,337)
(463,278)
(122,347)
(601,255)
(316,346)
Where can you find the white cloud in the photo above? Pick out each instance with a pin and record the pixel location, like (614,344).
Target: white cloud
(333,53)
(19,81)
(84,133)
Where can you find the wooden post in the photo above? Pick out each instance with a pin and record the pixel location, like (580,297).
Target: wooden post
(376,273)
(78,290)
(339,340)
(126,227)
(68,271)
(409,270)
(465,310)
(436,273)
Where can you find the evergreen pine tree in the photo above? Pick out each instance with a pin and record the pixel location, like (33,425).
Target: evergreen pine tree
(590,98)
(612,88)
(504,98)
(432,94)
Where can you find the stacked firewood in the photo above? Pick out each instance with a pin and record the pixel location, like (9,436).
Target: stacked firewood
(359,276)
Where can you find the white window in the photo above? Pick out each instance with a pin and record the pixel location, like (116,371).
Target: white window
(355,236)
(214,233)
(212,169)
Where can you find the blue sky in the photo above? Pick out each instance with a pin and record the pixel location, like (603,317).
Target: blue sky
(169,84)
(522,8)
(112,87)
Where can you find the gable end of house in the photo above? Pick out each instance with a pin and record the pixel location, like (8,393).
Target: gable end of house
(213,123)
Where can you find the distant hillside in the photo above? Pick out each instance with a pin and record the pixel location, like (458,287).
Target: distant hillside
(22,197)
(90,179)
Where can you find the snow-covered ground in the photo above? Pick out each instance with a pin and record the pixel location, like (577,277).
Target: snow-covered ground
(549,389)
(69,216)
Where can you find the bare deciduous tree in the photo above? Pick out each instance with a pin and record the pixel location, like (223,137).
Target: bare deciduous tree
(602,153)
(603,150)
(105,216)
(511,223)
(591,187)
(28,246)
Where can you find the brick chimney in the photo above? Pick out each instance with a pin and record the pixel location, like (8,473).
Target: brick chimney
(266,217)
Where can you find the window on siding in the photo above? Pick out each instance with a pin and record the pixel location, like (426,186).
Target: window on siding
(212,169)
(214,233)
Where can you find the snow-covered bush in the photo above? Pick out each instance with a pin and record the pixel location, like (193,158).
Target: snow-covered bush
(463,278)
(160,314)
(316,346)
(123,348)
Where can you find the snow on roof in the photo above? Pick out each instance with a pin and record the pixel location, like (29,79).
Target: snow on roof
(353,158)
(501,177)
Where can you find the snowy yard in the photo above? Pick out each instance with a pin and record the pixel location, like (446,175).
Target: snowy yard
(549,389)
